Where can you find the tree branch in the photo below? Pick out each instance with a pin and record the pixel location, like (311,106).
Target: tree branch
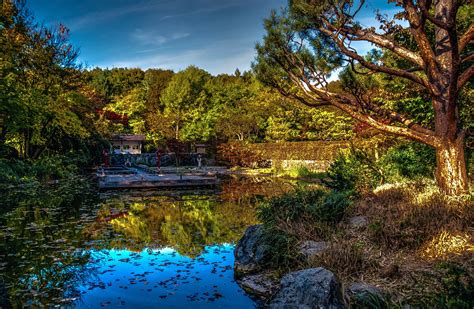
(467,57)
(412,129)
(465,77)
(430,139)
(466,38)
(375,67)
(417,29)
(383,42)
(424,7)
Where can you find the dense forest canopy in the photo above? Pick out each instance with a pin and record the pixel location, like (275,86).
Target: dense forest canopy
(50,104)
(192,105)
(53,106)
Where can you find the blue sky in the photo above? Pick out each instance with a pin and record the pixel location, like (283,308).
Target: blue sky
(216,35)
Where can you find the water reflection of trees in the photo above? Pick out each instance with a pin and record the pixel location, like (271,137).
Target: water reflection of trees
(40,239)
(187,225)
(188,222)
(253,189)
(45,236)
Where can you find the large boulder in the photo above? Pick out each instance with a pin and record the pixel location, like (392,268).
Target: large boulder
(250,253)
(309,288)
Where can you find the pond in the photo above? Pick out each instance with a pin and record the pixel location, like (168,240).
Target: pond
(66,246)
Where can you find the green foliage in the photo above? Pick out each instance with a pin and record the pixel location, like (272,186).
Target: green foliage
(357,171)
(300,171)
(328,125)
(46,168)
(354,171)
(409,160)
(114,82)
(43,108)
(466,111)
(184,99)
(191,105)
(311,208)
(280,129)
(10,172)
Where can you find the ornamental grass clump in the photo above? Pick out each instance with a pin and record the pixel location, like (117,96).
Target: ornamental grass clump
(408,215)
(298,216)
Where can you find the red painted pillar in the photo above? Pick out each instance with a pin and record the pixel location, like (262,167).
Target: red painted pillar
(105,157)
(158,159)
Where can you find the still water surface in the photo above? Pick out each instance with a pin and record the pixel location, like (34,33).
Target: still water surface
(170,249)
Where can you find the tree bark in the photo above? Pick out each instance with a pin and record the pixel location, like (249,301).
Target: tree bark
(451,173)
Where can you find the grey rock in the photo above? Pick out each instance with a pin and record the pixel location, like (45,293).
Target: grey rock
(250,253)
(310,249)
(362,295)
(358,221)
(363,289)
(307,289)
(262,285)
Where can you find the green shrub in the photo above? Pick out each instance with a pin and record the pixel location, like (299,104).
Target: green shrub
(302,171)
(292,216)
(353,171)
(289,207)
(317,205)
(11,171)
(53,167)
(44,169)
(411,160)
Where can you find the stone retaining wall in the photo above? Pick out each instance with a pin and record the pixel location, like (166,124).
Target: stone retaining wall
(315,155)
(305,151)
(314,165)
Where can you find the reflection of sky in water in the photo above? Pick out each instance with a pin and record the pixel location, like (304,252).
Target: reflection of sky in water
(163,279)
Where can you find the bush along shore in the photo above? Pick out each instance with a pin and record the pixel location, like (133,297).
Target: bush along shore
(361,241)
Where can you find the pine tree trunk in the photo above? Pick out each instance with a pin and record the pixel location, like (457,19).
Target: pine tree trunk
(451,172)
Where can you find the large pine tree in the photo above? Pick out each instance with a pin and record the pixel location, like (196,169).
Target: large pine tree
(431,48)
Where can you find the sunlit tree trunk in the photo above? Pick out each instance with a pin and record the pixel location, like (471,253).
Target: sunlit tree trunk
(451,172)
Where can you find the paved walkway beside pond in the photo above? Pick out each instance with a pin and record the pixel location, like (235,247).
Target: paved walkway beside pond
(136,178)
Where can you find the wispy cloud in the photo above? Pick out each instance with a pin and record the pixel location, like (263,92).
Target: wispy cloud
(205,57)
(164,61)
(153,38)
(109,14)
(202,10)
